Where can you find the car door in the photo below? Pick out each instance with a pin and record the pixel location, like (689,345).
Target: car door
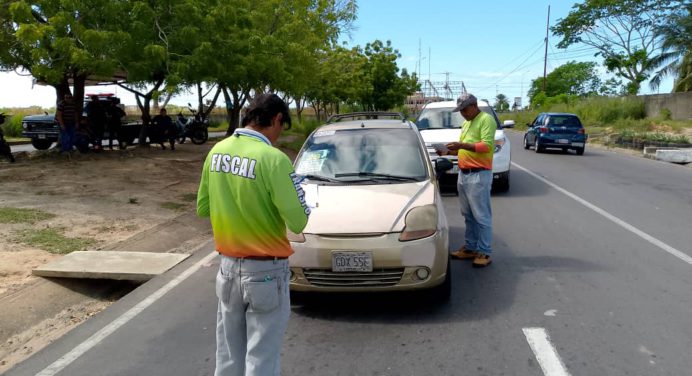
(533,130)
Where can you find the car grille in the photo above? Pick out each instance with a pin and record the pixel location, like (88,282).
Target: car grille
(376,278)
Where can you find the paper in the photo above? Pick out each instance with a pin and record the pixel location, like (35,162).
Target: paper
(440,147)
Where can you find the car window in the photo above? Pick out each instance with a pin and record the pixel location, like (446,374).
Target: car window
(440,118)
(564,121)
(334,154)
(538,120)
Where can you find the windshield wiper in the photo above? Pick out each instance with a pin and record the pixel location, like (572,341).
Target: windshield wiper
(321,178)
(377,175)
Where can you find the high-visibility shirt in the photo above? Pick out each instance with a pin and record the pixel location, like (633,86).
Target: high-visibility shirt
(251,194)
(481,132)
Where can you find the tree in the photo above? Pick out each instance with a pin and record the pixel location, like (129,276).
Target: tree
(60,42)
(384,89)
(501,103)
(572,78)
(676,51)
(621,31)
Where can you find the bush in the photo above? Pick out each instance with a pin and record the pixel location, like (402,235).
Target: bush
(13,126)
(666,114)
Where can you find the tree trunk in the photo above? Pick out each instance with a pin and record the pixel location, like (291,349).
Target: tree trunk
(79,81)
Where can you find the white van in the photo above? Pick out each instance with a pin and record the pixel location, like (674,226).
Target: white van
(438,124)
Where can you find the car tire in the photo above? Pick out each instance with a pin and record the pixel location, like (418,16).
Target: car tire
(580,151)
(39,144)
(443,292)
(526,143)
(537,147)
(502,185)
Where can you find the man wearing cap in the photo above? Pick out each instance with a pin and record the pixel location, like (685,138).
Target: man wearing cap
(475,158)
(251,193)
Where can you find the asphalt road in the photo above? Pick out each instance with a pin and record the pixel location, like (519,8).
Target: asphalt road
(592,275)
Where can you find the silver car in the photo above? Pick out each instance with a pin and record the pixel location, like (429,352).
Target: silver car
(377,221)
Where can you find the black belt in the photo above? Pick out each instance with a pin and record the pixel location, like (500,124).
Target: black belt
(470,170)
(264,258)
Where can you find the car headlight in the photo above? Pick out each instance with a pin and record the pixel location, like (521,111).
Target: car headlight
(25,126)
(499,144)
(420,222)
(293,237)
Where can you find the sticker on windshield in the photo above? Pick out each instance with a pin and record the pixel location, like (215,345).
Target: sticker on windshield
(323,133)
(312,161)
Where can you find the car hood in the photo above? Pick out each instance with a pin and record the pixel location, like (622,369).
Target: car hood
(449,135)
(39,118)
(363,209)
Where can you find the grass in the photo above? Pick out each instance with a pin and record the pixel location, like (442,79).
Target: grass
(172,205)
(294,145)
(16,215)
(52,240)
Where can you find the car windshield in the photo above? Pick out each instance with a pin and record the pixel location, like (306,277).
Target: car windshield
(439,118)
(362,155)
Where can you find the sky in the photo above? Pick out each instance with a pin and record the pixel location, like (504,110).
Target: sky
(494,47)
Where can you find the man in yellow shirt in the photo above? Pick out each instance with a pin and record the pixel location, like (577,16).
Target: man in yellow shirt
(252,194)
(475,152)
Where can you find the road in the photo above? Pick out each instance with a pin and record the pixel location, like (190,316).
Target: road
(592,275)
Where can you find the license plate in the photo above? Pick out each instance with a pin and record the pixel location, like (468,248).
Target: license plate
(563,141)
(351,261)
(578,144)
(42,136)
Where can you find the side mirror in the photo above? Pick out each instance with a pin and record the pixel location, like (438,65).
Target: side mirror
(442,165)
(508,124)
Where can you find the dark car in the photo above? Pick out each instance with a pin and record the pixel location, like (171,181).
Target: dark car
(556,130)
(44,130)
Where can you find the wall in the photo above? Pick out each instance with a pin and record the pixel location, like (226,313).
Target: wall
(679,104)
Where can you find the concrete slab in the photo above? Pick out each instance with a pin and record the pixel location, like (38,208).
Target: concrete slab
(132,266)
(674,156)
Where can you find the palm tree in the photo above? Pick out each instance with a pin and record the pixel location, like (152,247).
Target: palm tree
(676,52)
(501,102)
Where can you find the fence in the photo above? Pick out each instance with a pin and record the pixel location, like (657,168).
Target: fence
(679,105)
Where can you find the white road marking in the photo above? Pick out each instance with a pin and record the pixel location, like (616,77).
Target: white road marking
(550,312)
(679,254)
(547,357)
(99,336)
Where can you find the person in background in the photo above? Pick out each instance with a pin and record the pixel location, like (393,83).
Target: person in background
(66,116)
(252,195)
(475,159)
(5,149)
(164,129)
(114,116)
(96,119)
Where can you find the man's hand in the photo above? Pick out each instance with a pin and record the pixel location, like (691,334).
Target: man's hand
(454,146)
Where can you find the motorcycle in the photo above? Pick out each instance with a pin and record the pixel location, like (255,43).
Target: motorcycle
(195,127)
(4,146)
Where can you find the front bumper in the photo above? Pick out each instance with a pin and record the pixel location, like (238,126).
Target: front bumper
(395,263)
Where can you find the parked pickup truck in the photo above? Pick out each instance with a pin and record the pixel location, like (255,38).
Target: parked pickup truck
(43,130)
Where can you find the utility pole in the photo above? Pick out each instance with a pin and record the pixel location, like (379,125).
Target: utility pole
(545,59)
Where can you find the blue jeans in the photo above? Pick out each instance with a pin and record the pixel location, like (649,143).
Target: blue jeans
(474,200)
(67,137)
(253,311)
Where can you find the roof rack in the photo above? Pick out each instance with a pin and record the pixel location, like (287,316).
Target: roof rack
(366,115)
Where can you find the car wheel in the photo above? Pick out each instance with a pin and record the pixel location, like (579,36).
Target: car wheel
(39,144)
(443,292)
(537,147)
(526,143)
(580,151)
(502,185)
